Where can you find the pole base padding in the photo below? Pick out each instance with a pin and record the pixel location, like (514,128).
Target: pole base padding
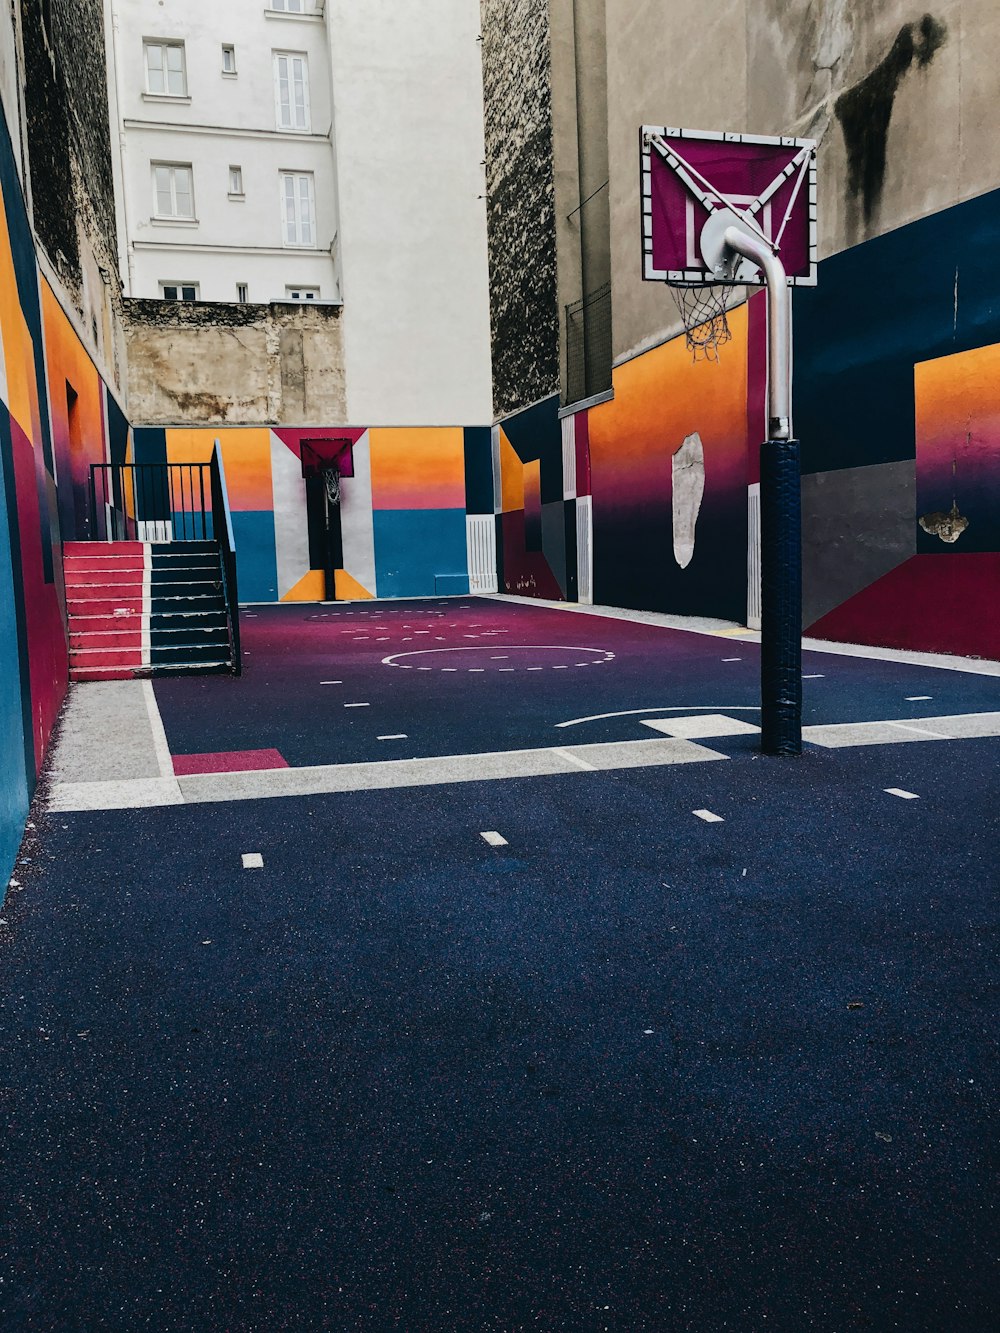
(781,598)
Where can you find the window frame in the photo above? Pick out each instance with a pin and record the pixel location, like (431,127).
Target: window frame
(297,176)
(242,293)
(236,171)
(291,128)
(173,168)
(292,288)
(180,287)
(229,49)
(282,6)
(165,44)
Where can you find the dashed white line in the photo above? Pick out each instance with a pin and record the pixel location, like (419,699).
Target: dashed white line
(331,682)
(494,839)
(818,675)
(396,736)
(708,816)
(898,791)
(732,659)
(918,698)
(253,861)
(357,705)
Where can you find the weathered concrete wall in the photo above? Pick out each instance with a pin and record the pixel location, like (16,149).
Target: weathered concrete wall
(901,97)
(520,214)
(203,364)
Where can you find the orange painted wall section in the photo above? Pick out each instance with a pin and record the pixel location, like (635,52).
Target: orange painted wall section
(246,457)
(511,477)
(68,366)
(661,397)
(418,468)
(18,350)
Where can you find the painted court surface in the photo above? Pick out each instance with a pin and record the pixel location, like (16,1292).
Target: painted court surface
(695,1039)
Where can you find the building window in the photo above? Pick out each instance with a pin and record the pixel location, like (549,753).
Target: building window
(166,75)
(173,190)
(229,59)
(242,293)
(179,291)
(236,182)
(291,90)
(291,6)
(298,210)
(301,293)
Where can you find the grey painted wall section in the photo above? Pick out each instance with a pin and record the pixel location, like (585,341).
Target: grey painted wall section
(858,523)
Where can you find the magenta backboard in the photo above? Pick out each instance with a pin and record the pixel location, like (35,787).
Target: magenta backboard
(687,175)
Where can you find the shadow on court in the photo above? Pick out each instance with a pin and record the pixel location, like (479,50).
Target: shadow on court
(629,1069)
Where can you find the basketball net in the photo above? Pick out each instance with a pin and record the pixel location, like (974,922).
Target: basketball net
(331,480)
(702,307)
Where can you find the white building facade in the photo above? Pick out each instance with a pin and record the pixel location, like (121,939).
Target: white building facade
(315,150)
(225,137)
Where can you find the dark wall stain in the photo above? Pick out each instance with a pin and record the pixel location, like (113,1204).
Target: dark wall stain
(865,110)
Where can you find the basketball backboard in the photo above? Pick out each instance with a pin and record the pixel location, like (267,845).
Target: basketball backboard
(695,183)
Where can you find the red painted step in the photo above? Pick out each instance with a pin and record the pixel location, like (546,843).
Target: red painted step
(106,605)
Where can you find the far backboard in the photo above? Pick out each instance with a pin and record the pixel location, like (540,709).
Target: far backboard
(689,175)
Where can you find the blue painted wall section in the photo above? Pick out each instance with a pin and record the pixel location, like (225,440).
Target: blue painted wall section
(415,547)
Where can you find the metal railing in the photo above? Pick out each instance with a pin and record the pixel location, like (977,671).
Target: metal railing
(152,502)
(222,526)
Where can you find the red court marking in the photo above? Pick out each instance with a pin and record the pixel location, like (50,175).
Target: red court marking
(228,761)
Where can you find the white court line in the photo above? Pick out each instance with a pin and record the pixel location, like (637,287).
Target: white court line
(494,839)
(732,659)
(815,676)
(396,736)
(160,747)
(572,758)
(898,791)
(357,705)
(253,861)
(604,654)
(918,698)
(331,682)
(686,708)
(708,816)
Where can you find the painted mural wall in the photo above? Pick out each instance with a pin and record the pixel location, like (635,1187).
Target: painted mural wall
(57,416)
(897,406)
(403,512)
(645,493)
(897,399)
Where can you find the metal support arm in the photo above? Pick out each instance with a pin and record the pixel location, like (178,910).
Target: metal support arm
(779,329)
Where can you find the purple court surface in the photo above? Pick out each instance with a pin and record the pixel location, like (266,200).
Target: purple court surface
(464,965)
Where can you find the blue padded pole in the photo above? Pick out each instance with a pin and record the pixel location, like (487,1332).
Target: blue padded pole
(781,598)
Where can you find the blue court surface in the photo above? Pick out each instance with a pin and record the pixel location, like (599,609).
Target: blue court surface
(694,1042)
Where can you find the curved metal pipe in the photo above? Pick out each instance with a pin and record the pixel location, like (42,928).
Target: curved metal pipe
(779,330)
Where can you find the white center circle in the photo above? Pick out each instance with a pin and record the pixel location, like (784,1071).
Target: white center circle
(515,657)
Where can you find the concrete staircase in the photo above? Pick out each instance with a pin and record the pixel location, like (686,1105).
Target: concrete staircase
(142,609)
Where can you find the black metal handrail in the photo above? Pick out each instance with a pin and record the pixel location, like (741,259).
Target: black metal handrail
(157,502)
(222,527)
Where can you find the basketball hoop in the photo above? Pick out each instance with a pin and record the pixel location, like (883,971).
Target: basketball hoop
(721,210)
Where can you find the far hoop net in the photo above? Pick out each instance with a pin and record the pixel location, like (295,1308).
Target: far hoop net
(331,482)
(702,307)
